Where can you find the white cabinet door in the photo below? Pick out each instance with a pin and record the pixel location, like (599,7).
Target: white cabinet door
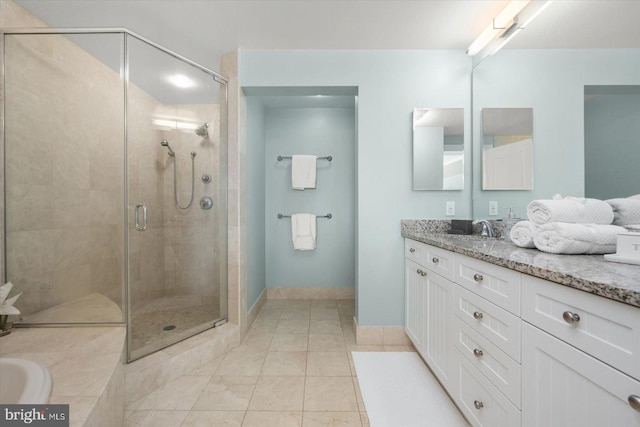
(564,387)
(414,323)
(438,343)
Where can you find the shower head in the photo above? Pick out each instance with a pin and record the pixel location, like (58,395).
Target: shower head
(203,130)
(165,143)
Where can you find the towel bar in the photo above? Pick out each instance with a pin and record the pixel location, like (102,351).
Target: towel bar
(329,158)
(328,216)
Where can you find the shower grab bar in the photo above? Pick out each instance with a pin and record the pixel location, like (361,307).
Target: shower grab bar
(328,216)
(329,158)
(142,227)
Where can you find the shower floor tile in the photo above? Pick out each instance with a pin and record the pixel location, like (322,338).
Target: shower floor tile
(293,368)
(177,314)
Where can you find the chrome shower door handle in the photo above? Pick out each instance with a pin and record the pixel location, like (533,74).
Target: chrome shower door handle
(142,227)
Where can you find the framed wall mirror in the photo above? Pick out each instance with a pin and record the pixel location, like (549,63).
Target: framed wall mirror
(438,149)
(507,149)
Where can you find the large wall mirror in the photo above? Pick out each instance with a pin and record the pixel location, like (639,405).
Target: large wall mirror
(507,149)
(553,82)
(438,149)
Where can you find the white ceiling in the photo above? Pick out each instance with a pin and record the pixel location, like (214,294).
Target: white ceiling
(202,30)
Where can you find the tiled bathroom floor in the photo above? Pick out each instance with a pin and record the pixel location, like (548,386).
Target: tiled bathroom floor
(293,368)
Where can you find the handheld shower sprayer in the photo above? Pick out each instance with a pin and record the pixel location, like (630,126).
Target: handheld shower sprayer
(165,143)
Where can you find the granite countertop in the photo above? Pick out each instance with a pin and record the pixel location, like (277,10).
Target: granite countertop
(590,273)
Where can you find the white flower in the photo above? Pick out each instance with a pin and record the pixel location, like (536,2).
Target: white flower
(6,305)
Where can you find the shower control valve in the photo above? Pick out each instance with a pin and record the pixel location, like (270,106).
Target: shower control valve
(206,203)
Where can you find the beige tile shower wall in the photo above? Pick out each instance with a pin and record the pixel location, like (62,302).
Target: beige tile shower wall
(145,164)
(64,171)
(11,16)
(194,243)
(237,262)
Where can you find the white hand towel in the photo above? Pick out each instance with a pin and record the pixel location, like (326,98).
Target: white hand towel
(565,238)
(303,172)
(625,211)
(522,234)
(303,231)
(570,209)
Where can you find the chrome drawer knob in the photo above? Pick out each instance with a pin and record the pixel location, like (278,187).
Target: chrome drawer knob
(477,315)
(634,401)
(422,273)
(412,250)
(570,317)
(477,352)
(478,404)
(435,260)
(478,277)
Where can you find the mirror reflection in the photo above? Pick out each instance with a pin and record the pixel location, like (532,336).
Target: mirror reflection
(552,82)
(507,149)
(611,129)
(438,149)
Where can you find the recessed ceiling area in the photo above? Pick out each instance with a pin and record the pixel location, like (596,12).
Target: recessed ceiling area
(305,97)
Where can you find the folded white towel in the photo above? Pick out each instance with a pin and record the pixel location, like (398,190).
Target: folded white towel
(303,231)
(637,196)
(570,209)
(303,172)
(522,234)
(565,238)
(625,211)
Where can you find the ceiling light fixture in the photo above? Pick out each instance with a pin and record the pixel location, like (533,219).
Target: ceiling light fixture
(513,18)
(181,81)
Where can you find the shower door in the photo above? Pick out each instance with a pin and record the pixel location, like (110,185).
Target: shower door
(176,198)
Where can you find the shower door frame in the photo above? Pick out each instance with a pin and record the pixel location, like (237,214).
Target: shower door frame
(124,75)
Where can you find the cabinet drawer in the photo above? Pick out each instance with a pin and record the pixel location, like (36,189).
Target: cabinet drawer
(562,386)
(432,258)
(497,325)
(606,329)
(481,402)
(500,369)
(415,251)
(497,284)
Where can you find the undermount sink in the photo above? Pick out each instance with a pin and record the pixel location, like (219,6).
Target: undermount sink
(24,381)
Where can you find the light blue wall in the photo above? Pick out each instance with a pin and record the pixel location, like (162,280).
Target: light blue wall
(255,200)
(390,85)
(612,146)
(322,132)
(552,82)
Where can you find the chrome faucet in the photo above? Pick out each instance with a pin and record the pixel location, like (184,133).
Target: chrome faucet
(487,229)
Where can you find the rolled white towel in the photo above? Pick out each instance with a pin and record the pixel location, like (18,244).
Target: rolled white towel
(637,196)
(625,211)
(565,238)
(570,209)
(522,234)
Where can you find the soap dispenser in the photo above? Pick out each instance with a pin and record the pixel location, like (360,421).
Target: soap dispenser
(508,223)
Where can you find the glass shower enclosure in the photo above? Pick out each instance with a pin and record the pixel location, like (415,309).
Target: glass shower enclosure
(115,185)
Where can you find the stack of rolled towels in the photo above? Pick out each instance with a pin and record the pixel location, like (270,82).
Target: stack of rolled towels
(574,225)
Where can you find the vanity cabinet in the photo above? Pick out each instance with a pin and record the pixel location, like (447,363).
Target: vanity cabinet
(428,303)
(580,358)
(487,342)
(519,350)
(563,386)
